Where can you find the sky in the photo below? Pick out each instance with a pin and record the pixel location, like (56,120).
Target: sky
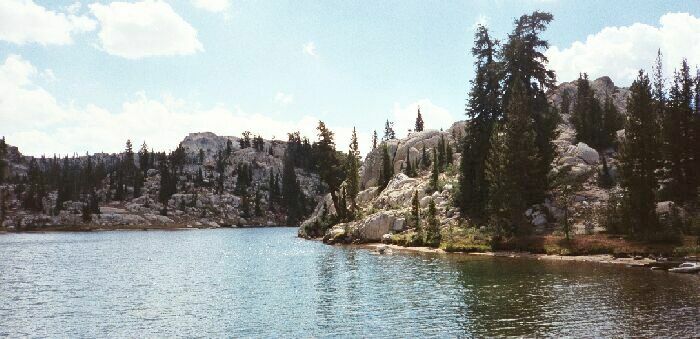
(85,76)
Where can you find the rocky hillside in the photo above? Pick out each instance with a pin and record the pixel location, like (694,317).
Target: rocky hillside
(384,213)
(195,202)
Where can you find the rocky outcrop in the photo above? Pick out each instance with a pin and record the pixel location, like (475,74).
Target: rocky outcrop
(399,148)
(194,203)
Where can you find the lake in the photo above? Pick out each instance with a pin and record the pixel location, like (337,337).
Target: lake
(265,282)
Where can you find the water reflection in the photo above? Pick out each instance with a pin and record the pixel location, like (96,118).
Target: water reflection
(266,282)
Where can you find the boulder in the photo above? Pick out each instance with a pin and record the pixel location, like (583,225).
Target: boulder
(373,227)
(587,154)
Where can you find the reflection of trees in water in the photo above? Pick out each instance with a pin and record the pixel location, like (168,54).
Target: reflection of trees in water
(529,298)
(504,297)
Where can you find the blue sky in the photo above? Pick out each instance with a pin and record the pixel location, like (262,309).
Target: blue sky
(277,66)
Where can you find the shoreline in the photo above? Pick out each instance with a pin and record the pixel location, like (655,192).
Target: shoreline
(607,259)
(125,228)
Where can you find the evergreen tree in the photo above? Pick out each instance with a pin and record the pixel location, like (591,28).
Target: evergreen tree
(389,133)
(415,212)
(86,212)
(639,159)
(201,156)
(245,141)
(449,158)
(245,206)
(353,171)
(168,182)
(524,66)
(220,169)
(587,116)
(565,105)
(441,153)
(3,162)
(419,121)
(483,111)
(143,157)
(273,191)
(425,159)
(409,170)
(605,179)
(677,141)
(523,183)
(257,207)
(374,140)
(330,169)
(496,167)
(386,172)
(432,232)
(612,122)
(199,182)
(291,192)
(435,173)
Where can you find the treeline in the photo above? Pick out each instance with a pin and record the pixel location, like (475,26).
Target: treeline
(659,157)
(507,150)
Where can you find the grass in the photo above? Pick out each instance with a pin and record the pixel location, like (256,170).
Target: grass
(594,244)
(466,240)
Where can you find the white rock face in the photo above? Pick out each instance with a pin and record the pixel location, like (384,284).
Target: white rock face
(398,148)
(376,225)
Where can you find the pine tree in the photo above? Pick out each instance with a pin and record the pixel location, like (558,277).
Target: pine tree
(257,207)
(424,159)
(483,111)
(523,183)
(605,179)
(410,171)
(677,137)
(525,65)
(565,105)
(496,167)
(374,140)
(441,153)
(353,171)
(330,169)
(291,192)
(448,154)
(587,116)
(272,191)
(639,159)
(220,169)
(419,121)
(143,157)
(612,122)
(386,172)
(432,232)
(434,176)
(389,133)
(415,212)
(201,157)
(3,162)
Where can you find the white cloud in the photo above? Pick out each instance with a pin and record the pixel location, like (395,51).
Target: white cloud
(39,124)
(143,29)
(434,117)
(481,20)
(284,98)
(212,5)
(23,21)
(620,52)
(309,48)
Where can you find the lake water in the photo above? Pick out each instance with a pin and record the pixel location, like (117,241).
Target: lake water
(265,282)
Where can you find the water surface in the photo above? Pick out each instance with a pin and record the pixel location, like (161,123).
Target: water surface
(266,282)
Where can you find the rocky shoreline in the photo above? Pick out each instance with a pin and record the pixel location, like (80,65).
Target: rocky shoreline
(607,259)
